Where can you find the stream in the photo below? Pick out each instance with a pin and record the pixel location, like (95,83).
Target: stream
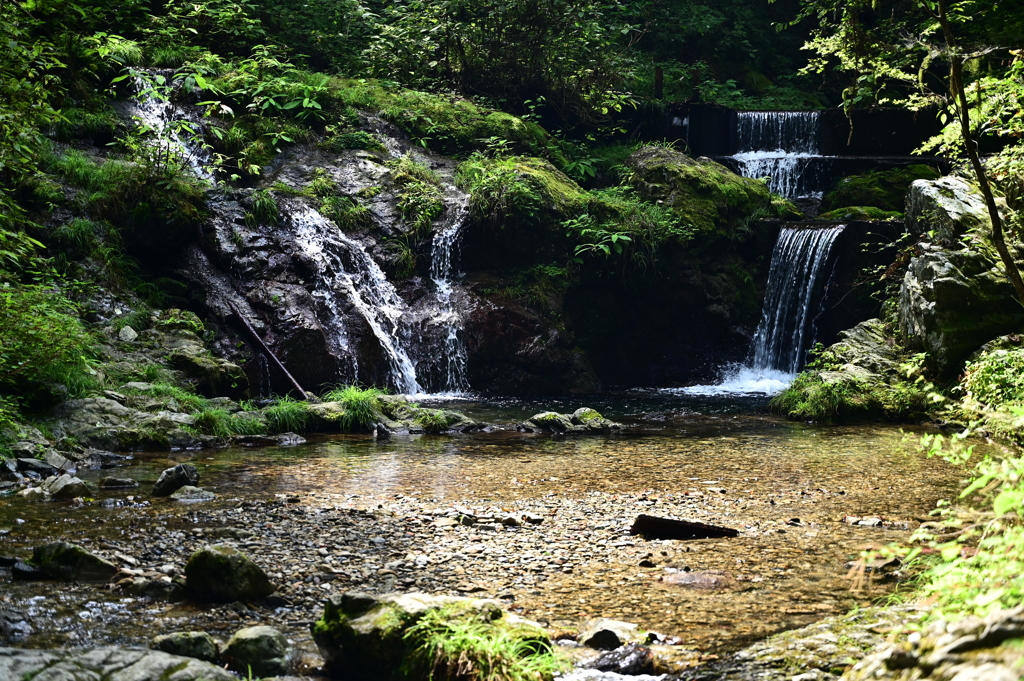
(346,512)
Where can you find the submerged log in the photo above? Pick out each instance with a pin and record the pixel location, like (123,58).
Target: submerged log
(653,527)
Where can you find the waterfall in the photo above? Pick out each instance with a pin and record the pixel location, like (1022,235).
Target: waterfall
(796,281)
(346,271)
(798,274)
(444,272)
(177,131)
(782,146)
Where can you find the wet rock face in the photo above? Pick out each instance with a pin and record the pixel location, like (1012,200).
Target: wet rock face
(105,664)
(174,478)
(952,302)
(106,424)
(583,420)
(948,206)
(196,644)
(68,562)
(222,574)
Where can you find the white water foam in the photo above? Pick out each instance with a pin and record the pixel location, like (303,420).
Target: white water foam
(742,380)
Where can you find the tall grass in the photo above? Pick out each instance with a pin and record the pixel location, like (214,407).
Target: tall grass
(362,406)
(287,415)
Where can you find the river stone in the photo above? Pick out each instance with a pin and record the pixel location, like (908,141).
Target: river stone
(13,625)
(631,659)
(69,562)
(110,482)
(189,493)
(127,334)
(174,478)
(607,634)
(583,420)
(66,487)
(952,302)
(196,644)
(9,471)
(259,651)
(34,468)
(361,636)
(106,664)
(33,494)
(222,574)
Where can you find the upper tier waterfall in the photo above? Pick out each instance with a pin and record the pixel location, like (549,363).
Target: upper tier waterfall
(782,146)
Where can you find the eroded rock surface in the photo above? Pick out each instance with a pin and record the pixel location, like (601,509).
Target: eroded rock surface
(106,664)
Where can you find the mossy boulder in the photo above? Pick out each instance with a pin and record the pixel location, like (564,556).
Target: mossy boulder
(208,375)
(196,644)
(952,302)
(71,563)
(706,194)
(106,424)
(223,574)
(259,651)
(882,189)
(583,420)
(866,374)
(363,636)
(948,208)
(860,213)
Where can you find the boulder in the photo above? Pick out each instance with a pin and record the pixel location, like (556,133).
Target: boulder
(65,486)
(583,420)
(952,302)
(607,634)
(106,424)
(195,644)
(174,478)
(69,562)
(631,659)
(190,493)
(9,471)
(111,482)
(362,636)
(222,574)
(949,207)
(34,468)
(14,625)
(259,651)
(113,664)
(210,376)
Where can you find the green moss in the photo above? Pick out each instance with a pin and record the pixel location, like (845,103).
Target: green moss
(420,200)
(587,415)
(884,189)
(861,213)
(357,139)
(704,194)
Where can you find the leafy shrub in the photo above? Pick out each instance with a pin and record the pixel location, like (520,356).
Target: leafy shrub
(361,406)
(995,378)
(287,415)
(435,420)
(43,346)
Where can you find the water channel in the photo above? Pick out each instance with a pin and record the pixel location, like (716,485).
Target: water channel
(349,512)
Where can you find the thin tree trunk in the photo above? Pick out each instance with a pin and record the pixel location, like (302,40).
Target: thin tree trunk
(956,84)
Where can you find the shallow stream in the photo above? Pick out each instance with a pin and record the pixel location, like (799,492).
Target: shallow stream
(349,512)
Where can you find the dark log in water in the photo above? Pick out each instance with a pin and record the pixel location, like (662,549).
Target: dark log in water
(653,527)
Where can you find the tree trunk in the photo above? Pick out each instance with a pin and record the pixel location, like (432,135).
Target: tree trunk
(956,84)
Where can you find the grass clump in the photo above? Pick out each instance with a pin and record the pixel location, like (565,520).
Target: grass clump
(453,644)
(217,421)
(181,399)
(287,415)
(420,200)
(435,421)
(361,406)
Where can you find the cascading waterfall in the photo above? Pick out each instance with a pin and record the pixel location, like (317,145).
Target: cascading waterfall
(797,277)
(176,130)
(782,146)
(444,273)
(346,271)
(796,281)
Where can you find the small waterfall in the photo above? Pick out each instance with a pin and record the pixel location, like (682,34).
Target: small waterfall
(346,271)
(795,284)
(444,272)
(782,146)
(177,130)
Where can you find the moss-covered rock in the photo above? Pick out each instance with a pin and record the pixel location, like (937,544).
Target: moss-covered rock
(222,574)
(70,562)
(860,213)
(583,420)
(865,375)
(363,636)
(883,189)
(706,194)
(259,651)
(948,208)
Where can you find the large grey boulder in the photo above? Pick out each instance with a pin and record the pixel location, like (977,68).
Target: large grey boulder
(222,574)
(69,562)
(949,207)
(106,664)
(109,425)
(363,636)
(65,486)
(174,478)
(196,644)
(259,651)
(952,302)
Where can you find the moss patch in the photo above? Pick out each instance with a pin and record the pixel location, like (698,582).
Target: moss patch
(883,189)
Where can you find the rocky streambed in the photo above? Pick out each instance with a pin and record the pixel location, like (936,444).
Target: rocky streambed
(540,523)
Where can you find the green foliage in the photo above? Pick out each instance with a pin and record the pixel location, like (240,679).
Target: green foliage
(264,209)
(358,139)
(218,422)
(860,213)
(137,319)
(517,191)
(996,378)
(361,406)
(287,415)
(435,421)
(420,200)
(180,398)
(455,644)
(44,349)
